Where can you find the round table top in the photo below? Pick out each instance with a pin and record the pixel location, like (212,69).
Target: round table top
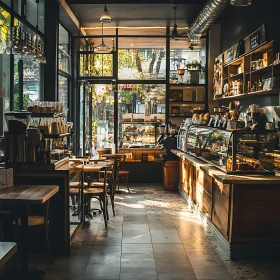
(113,156)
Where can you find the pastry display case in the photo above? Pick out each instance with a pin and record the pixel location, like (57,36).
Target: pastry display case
(234,152)
(138,134)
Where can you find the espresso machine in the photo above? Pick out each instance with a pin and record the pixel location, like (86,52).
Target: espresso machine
(21,144)
(170,142)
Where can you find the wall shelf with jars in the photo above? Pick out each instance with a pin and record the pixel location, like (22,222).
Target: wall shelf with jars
(248,68)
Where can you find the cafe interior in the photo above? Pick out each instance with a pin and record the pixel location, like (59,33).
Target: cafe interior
(134,136)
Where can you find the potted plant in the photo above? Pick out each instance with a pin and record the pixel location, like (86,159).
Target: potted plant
(194,68)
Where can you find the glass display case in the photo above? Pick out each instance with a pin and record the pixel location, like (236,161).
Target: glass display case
(137,134)
(234,152)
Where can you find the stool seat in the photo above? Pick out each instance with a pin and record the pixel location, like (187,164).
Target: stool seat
(34,221)
(98,184)
(74,191)
(93,190)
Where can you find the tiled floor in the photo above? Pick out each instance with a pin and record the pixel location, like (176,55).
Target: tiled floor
(153,236)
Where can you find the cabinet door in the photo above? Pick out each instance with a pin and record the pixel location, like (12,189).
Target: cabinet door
(220,215)
(207,196)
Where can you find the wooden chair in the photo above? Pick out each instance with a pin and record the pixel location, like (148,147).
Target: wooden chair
(75,187)
(97,190)
(122,174)
(39,220)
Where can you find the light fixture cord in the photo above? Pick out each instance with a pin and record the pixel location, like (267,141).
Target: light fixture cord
(37,24)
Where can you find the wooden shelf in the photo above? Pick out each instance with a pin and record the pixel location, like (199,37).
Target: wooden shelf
(235,61)
(236,75)
(180,116)
(193,85)
(187,102)
(262,70)
(250,94)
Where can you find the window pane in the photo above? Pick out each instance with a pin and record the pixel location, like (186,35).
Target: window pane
(63,90)
(138,104)
(192,59)
(4,66)
(63,56)
(96,65)
(31,13)
(142,64)
(31,82)
(103,116)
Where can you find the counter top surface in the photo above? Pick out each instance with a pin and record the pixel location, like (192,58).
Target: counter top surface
(142,148)
(225,178)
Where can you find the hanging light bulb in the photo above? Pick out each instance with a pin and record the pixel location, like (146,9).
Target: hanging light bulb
(102,48)
(105,18)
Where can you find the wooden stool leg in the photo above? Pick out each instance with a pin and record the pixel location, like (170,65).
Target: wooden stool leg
(126,181)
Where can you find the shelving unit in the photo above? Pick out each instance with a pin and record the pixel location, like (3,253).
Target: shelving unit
(183,98)
(253,73)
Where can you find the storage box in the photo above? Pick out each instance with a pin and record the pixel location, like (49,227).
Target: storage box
(188,95)
(6,178)
(199,95)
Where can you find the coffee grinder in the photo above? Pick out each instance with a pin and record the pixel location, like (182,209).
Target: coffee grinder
(162,134)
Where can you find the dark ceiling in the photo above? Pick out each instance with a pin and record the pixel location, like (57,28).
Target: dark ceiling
(137,13)
(137,18)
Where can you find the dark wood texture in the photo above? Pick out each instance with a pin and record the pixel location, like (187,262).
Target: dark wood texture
(59,204)
(28,194)
(7,250)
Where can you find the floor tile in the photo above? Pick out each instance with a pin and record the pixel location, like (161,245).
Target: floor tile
(165,236)
(137,248)
(206,272)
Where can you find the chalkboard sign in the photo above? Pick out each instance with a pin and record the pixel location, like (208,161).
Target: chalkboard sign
(230,55)
(255,40)
(240,48)
(263,33)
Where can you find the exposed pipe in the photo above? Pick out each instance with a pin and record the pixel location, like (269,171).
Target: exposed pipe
(211,10)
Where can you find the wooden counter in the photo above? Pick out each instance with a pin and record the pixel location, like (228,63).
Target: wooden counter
(60,237)
(242,211)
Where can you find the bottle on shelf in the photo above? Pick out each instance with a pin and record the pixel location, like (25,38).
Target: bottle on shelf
(248,87)
(260,86)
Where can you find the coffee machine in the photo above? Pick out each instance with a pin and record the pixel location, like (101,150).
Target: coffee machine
(21,144)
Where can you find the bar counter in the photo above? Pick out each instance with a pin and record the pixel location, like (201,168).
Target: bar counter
(242,211)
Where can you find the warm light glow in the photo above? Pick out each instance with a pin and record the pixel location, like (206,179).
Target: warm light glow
(105,18)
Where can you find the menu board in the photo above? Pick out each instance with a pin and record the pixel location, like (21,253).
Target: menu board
(230,55)
(254,40)
(240,48)
(263,32)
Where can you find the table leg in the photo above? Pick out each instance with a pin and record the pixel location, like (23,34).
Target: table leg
(24,239)
(115,177)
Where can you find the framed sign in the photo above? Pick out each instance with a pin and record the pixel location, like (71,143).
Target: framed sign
(254,40)
(240,48)
(230,55)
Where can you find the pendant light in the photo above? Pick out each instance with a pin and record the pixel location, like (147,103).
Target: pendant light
(105,18)
(240,3)
(102,48)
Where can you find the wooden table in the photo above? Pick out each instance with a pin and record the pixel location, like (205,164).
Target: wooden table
(24,195)
(7,250)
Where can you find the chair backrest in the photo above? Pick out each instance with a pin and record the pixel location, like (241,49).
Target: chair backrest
(121,162)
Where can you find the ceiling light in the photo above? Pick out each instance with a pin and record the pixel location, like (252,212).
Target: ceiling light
(102,48)
(105,18)
(240,3)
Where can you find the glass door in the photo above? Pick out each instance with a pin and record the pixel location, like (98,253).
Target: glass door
(102,117)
